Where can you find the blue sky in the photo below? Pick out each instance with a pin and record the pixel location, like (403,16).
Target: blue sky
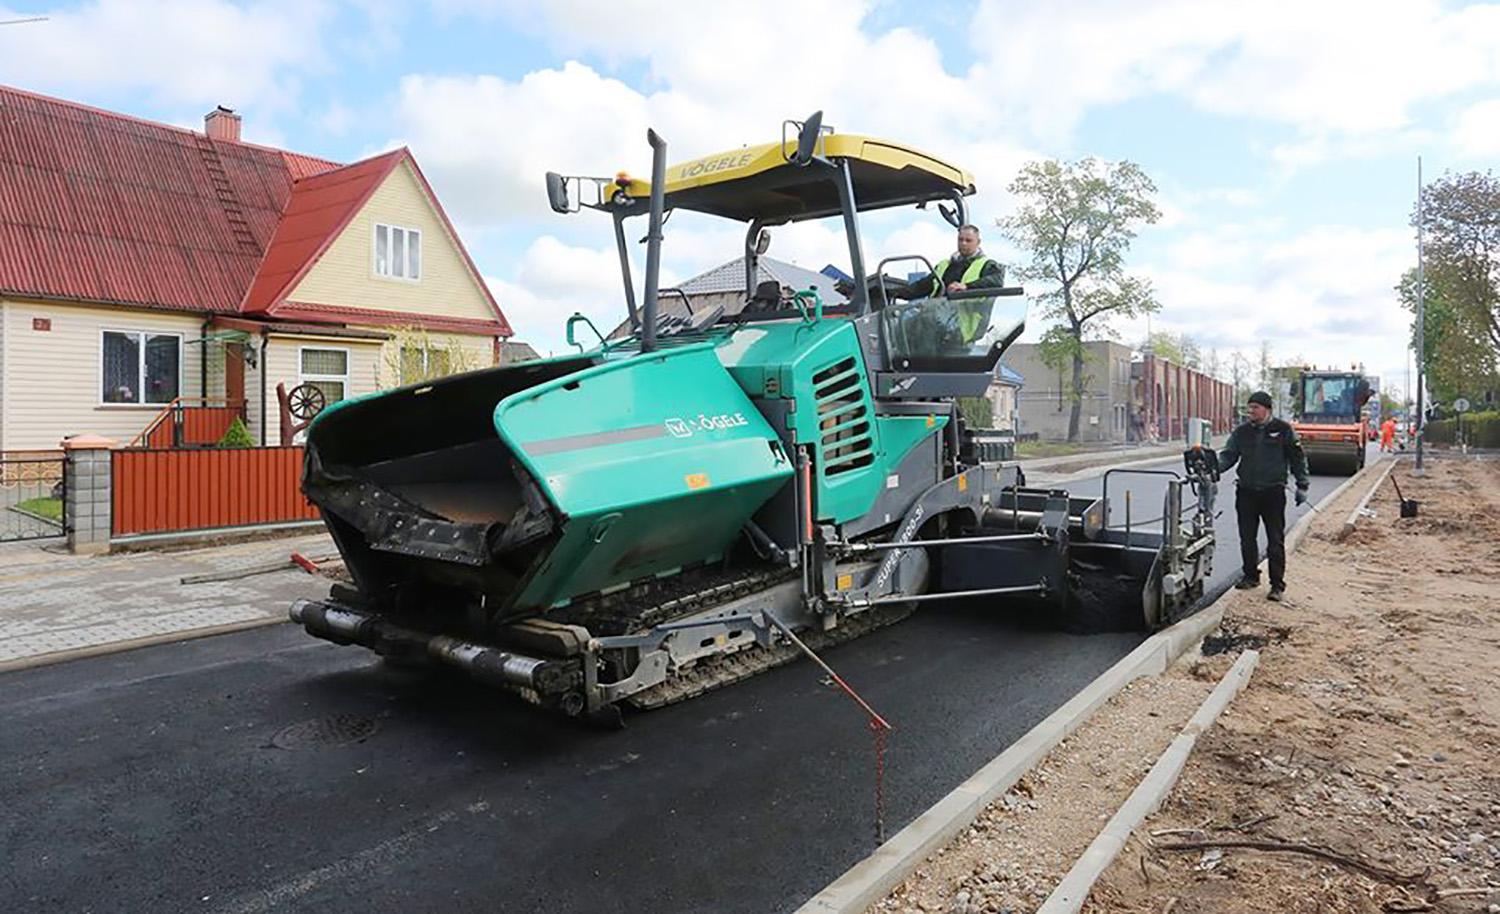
(1283,136)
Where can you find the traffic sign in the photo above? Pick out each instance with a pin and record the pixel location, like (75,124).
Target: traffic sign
(1460,405)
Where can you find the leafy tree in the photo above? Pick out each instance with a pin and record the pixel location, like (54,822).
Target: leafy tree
(1075,222)
(978,412)
(414,355)
(1463,233)
(1461,352)
(1458,358)
(1175,347)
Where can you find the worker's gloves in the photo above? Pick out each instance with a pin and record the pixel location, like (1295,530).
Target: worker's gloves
(1301,496)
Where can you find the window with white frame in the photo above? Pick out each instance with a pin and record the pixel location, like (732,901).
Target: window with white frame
(398,252)
(327,370)
(138,366)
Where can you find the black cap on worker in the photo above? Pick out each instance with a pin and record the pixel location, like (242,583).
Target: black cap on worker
(1261,397)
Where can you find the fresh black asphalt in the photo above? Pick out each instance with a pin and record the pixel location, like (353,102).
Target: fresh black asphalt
(266,771)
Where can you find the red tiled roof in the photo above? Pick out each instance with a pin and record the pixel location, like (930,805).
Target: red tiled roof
(102,207)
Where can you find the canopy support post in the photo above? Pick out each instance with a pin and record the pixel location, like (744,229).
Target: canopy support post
(845,179)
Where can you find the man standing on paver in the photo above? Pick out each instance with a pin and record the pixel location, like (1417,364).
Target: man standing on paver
(1265,448)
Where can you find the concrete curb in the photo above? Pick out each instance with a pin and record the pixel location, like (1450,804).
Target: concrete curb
(1348,527)
(873,877)
(869,880)
(1304,523)
(113,647)
(1148,795)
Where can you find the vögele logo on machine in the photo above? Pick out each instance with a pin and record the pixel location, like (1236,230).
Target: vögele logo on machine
(684,428)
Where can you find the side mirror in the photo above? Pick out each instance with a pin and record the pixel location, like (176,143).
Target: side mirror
(557,193)
(762,241)
(807,138)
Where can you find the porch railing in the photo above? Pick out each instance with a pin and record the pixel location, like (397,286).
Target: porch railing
(190,422)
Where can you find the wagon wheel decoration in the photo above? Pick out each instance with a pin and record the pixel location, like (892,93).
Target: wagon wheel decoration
(305,401)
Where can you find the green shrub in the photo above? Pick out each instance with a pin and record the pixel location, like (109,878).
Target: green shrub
(1481,429)
(237,435)
(978,412)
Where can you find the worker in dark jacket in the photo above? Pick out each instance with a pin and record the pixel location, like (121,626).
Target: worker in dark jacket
(1265,448)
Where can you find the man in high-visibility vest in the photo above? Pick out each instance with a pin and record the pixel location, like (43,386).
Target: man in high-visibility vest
(966,268)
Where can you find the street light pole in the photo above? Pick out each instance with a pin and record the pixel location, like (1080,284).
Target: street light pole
(1421,324)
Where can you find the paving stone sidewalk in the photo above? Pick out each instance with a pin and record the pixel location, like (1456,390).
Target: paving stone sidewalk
(54,603)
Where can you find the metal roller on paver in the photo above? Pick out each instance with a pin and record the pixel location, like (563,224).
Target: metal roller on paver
(622,525)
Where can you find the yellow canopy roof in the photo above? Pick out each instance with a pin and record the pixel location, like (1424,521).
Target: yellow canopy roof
(757,182)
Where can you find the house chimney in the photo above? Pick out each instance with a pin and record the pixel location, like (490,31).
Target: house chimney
(222,124)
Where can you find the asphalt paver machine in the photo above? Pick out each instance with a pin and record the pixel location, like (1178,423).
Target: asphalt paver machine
(648,519)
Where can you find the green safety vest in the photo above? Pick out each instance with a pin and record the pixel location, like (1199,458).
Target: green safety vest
(971,316)
(976,267)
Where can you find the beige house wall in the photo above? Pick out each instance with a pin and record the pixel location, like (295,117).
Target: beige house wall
(1002,399)
(345,274)
(53,379)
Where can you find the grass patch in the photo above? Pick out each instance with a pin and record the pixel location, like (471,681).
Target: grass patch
(1050,448)
(50,508)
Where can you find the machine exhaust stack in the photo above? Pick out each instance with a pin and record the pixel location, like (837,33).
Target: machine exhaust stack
(653,239)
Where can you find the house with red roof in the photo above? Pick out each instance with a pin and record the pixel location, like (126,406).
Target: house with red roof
(146,268)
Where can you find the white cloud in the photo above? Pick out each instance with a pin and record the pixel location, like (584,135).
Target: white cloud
(555,280)
(715,82)
(1323,294)
(1477,132)
(175,52)
(1328,69)
(486,142)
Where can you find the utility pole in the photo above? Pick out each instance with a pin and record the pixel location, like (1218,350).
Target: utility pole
(1421,325)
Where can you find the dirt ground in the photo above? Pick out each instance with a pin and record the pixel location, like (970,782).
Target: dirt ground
(1363,758)
(1371,729)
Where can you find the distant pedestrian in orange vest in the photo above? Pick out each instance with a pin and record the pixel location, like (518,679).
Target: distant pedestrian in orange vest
(1388,435)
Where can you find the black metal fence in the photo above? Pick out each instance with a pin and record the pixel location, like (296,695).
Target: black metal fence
(32,493)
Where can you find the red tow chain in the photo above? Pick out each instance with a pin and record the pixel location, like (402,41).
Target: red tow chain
(878,725)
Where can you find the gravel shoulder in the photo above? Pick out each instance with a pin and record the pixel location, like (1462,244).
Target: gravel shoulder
(1370,730)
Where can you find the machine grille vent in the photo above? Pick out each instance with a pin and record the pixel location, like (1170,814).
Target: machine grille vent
(843,418)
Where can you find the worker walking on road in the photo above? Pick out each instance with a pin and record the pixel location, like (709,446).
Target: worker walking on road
(1265,448)
(1388,435)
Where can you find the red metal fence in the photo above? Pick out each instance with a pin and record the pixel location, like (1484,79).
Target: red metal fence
(159,491)
(190,422)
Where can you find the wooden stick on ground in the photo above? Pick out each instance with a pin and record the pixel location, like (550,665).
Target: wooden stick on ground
(1369,869)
